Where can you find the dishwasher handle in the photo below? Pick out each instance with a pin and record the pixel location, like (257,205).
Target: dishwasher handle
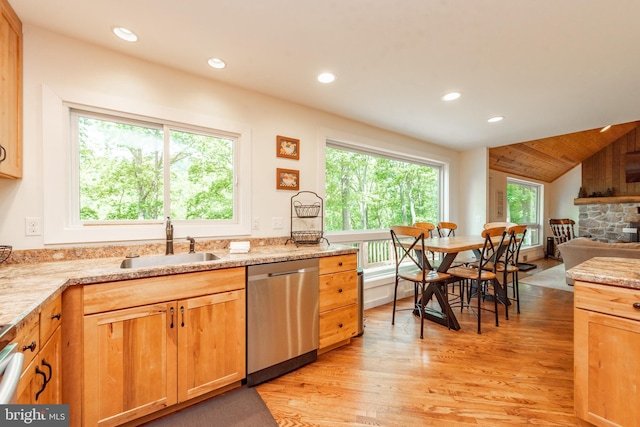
(288,273)
(11,365)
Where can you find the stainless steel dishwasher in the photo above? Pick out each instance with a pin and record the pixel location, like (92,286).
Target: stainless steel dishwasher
(282,318)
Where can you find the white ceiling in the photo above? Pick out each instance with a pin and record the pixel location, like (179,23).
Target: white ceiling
(550,67)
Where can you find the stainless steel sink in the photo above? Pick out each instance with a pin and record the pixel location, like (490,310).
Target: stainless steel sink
(164,260)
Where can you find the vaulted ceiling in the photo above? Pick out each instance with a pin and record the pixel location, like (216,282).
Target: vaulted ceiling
(547,159)
(549,67)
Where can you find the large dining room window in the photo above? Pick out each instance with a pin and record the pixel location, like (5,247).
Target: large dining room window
(367,191)
(523,207)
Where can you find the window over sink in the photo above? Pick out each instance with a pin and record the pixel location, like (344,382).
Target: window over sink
(117,168)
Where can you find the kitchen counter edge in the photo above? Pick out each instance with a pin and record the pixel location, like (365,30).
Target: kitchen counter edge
(27,288)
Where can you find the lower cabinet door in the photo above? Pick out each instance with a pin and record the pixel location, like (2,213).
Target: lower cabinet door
(50,362)
(129,363)
(607,373)
(211,337)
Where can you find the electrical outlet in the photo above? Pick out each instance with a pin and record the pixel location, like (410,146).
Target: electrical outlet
(255,223)
(32,226)
(276,223)
(525,258)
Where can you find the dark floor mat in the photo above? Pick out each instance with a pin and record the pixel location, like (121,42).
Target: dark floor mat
(242,407)
(523,266)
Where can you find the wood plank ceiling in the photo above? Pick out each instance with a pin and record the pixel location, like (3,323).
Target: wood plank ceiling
(548,159)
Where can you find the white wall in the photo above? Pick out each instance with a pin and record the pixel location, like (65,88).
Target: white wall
(60,62)
(472,190)
(560,195)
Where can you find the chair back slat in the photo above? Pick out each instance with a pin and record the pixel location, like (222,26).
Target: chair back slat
(562,229)
(426,226)
(446,229)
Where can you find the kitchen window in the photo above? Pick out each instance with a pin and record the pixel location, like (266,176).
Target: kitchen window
(131,170)
(372,191)
(368,190)
(115,169)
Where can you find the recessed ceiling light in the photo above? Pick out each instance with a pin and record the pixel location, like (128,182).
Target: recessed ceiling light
(495,119)
(216,63)
(606,128)
(451,96)
(125,34)
(326,77)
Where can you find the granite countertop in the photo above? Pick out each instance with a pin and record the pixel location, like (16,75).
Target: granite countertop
(624,272)
(26,288)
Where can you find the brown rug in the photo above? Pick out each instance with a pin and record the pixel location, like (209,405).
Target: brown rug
(239,408)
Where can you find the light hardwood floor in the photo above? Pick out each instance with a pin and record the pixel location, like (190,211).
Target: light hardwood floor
(518,373)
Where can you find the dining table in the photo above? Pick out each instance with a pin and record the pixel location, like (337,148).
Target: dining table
(450,247)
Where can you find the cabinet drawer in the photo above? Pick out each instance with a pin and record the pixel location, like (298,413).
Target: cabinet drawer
(50,319)
(136,292)
(338,325)
(338,263)
(338,290)
(607,299)
(28,340)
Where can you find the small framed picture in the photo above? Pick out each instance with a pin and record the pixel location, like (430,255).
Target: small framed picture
(287,179)
(287,147)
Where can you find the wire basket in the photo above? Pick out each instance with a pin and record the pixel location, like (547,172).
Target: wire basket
(306,211)
(306,236)
(5,251)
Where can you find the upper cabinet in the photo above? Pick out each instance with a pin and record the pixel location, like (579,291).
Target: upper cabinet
(10,93)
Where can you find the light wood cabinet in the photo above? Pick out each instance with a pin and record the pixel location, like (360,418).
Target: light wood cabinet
(152,343)
(40,340)
(338,300)
(211,343)
(606,349)
(10,92)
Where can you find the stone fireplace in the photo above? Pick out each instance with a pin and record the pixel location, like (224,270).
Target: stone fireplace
(607,221)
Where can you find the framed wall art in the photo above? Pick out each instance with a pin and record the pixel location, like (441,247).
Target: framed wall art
(287,179)
(287,147)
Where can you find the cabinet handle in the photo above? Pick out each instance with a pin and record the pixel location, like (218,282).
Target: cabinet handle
(56,316)
(171,311)
(44,362)
(182,312)
(44,383)
(340,264)
(31,347)
(3,154)
(339,325)
(636,305)
(340,290)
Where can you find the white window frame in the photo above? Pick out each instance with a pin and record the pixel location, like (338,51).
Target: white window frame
(360,237)
(539,204)
(60,225)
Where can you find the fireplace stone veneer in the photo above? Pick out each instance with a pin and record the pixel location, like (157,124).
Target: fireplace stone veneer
(605,222)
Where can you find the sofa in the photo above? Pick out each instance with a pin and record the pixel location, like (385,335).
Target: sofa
(580,249)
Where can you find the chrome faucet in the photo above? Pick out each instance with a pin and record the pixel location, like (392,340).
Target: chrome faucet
(169,250)
(192,245)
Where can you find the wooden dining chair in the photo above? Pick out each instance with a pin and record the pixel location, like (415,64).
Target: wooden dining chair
(482,275)
(509,265)
(429,228)
(446,229)
(413,265)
